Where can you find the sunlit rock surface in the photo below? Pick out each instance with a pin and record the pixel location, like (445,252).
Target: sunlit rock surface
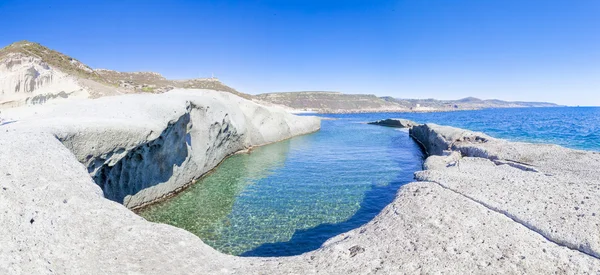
(549,189)
(139,148)
(482,206)
(27,80)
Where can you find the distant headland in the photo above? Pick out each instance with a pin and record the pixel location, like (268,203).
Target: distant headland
(34,74)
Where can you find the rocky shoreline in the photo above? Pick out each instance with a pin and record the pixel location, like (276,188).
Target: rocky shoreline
(140,148)
(482,205)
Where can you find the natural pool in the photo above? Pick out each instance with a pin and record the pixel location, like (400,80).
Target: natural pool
(289,197)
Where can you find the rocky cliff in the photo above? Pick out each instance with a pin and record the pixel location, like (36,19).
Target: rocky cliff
(139,148)
(29,80)
(481,206)
(31,74)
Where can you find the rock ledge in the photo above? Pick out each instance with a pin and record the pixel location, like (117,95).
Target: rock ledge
(474,209)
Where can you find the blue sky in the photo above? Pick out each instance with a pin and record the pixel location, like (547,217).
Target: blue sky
(514,50)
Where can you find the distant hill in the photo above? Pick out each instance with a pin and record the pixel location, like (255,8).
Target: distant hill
(33,74)
(336,102)
(469,103)
(330,102)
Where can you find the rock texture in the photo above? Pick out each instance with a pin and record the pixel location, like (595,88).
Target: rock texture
(482,205)
(395,122)
(31,74)
(27,80)
(551,190)
(139,148)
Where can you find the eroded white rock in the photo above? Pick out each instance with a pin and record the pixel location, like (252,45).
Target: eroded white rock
(56,220)
(27,80)
(139,148)
(552,190)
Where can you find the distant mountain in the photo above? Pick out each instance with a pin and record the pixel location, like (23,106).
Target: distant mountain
(33,74)
(336,102)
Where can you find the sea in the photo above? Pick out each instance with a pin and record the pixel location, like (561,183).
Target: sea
(289,197)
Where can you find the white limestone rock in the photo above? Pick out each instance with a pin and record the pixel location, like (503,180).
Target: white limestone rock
(550,189)
(430,229)
(395,122)
(140,148)
(458,220)
(27,80)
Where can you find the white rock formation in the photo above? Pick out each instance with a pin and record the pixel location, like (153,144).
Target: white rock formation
(55,219)
(395,123)
(549,189)
(139,147)
(27,80)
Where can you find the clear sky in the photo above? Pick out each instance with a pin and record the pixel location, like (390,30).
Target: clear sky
(542,50)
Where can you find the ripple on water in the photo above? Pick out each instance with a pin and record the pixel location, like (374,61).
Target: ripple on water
(289,197)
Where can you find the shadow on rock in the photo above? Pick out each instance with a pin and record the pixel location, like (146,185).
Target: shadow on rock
(147,165)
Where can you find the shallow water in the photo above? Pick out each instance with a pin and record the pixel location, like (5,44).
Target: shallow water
(289,197)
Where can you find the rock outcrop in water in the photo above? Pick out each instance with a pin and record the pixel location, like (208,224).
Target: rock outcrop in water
(394,122)
(482,205)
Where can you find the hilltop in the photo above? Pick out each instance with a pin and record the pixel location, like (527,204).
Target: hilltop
(330,102)
(31,73)
(34,74)
(336,102)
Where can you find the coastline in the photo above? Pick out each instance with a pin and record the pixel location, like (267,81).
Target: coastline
(140,153)
(367,111)
(480,205)
(173,193)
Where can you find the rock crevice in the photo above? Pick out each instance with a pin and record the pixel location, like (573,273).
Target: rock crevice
(519,221)
(529,192)
(141,148)
(466,214)
(146,165)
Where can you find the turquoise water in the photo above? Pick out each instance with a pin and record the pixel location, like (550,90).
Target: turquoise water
(289,197)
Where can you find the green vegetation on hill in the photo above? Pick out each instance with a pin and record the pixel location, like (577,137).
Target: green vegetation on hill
(151,82)
(335,102)
(329,101)
(135,81)
(53,58)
